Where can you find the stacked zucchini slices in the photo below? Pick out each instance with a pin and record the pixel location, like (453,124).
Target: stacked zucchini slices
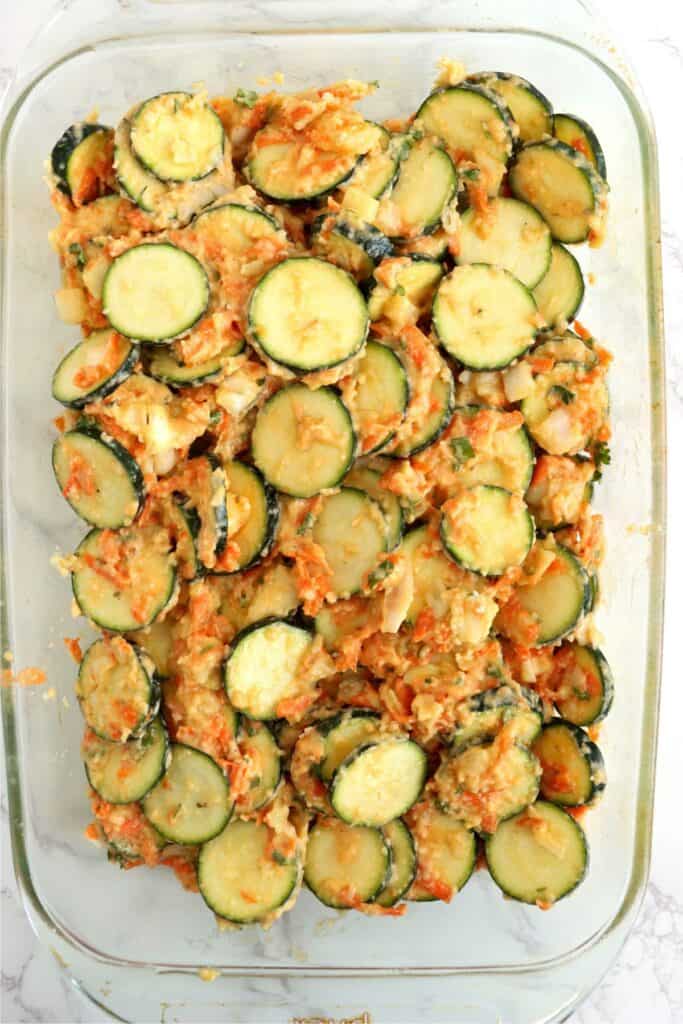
(373,294)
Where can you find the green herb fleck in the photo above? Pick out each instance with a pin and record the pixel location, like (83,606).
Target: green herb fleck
(305,524)
(471,175)
(564,394)
(495,672)
(255,782)
(246,97)
(399,290)
(77,250)
(374,83)
(580,694)
(215,417)
(278,857)
(602,456)
(462,451)
(380,573)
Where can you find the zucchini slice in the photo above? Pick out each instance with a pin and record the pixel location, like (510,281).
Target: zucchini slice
(538,856)
(124,580)
(512,235)
(261,671)
(376,171)
(356,248)
(484,784)
(378,781)
(248,489)
(401,844)
(446,854)
(368,480)
(553,605)
(413,437)
(566,406)
(121,773)
(185,525)
(413,279)
(258,747)
(346,864)
(191,803)
(377,394)
(470,119)
(507,461)
(157,643)
(484,317)
(560,293)
(306,314)
(164,365)
(486,529)
(427,181)
(177,136)
(583,684)
(433,571)
(277,170)
(117,689)
(94,368)
(562,185)
(573,769)
(234,227)
(155,292)
(98,477)
(351,530)
(241,877)
(344,733)
(486,713)
(303,441)
(578,134)
(531,110)
(82,161)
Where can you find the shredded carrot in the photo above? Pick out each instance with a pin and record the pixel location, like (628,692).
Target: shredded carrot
(73,646)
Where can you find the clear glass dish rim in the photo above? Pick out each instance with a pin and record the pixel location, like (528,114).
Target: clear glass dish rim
(36,911)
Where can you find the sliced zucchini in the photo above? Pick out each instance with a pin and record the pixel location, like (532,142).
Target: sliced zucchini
(346,864)
(486,713)
(279,171)
(573,770)
(378,781)
(94,368)
(344,733)
(258,747)
(303,441)
(241,877)
(376,171)
(351,530)
(578,134)
(334,622)
(566,347)
(157,643)
(377,395)
(553,605)
(124,580)
(484,317)
(122,773)
(565,408)
(531,110)
(249,490)
(538,856)
(368,480)
(470,119)
(431,247)
(583,684)
(426,182)
(560,293)
(117,689)
(350,244)
(507,461)
(413,437)
(234,227)
(413,279)
(446,854)
(82,161)
(98,477)
(185,526)
(561,184)
(486,783)
(177,136)
(306,314)
(263,666)
(511,234)
(164,365)
(191,803)
(401,844)
(155,292)
(432,570)
(486,529)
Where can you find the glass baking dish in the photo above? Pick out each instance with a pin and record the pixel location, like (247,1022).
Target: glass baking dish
(135,941)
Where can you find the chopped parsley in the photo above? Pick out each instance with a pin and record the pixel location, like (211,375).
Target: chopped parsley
(399,290)
(470,175)
(564,394)
(495,672)
(246,97)
(602,456)
(305,524)
(278,857)
(462,451)
(77,250)
(380,573)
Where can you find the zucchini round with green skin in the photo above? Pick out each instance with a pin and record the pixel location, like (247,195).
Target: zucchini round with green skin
(81,160)
(446,854)
(255,537)
(511,234)
(426,182)
(351,530)
(573,769)
(401,844)
(552,606)
(377,395)
(163,365)
(155,292)
(185,525)
(241,878)
(234,226)
(303,441)
(191,803)
(486,529)
(486,713)
(368,479)
(566,348)
(539,856)
(94,368)
(129,595)
(378,781)
(469,118)
(583,684)
(376,171)
(559,294)
(344,733)
(157,643)
(261,671)
(338,880)
(484,317)
(306,314)
(531,110)
(356,248)
(177,137)
(412,437)
(122,773)
(565,408)
(413,279)
(578,134)
(98,477)
(276,171)
(507,462)
(117,689)
(562,185)
(257,745)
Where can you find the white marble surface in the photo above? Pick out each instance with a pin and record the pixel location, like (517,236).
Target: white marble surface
(646,984)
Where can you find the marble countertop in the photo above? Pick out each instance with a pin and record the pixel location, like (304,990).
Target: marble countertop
(646,983)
